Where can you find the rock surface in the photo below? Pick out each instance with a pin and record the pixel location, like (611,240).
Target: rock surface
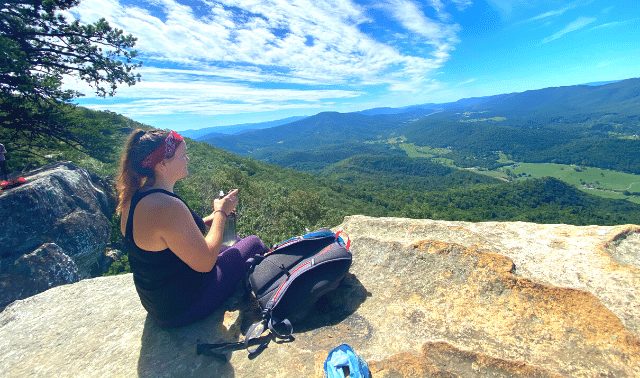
(60,204)
(424,298)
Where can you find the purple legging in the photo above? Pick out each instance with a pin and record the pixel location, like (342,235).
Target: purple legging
(231,267)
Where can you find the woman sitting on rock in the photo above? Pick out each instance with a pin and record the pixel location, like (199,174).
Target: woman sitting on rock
(180,275)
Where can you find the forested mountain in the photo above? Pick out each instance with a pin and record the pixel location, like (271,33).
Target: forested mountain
(586,125)
(320,129)
(597,126)
(400,153)
(622,97)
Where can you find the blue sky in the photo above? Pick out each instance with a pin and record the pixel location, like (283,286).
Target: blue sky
(210,63)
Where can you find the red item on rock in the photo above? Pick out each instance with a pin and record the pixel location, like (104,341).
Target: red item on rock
(12,183)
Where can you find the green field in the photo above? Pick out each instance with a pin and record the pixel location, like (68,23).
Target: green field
(494,119)
(495,173)
(599,182)
(435,154)
(503,158)
(414,151)
(596,177)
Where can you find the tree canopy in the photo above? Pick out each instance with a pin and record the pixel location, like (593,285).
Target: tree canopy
(39,46)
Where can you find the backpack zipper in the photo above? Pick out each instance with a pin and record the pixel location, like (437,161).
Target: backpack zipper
(292,241)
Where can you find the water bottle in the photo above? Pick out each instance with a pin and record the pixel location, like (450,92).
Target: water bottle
(229,235)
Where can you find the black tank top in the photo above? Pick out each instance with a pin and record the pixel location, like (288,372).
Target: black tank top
(166,285)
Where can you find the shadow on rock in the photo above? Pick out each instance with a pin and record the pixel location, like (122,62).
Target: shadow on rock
(330,309)
(336,306)
(172,352)
(333,314)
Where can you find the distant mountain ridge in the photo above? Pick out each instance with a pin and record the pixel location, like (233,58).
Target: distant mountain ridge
(583,124)
(621,97)
(589,96)
(322,129)
(236,129)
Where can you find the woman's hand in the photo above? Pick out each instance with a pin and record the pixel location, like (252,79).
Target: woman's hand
(226,204)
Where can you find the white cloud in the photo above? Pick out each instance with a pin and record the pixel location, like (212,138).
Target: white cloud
(462,4)
(442,36)
(614,24)
(252,56)
(545,15)
(413,19)
(578,24)
(604,64)
(142,108)
(222,40)
(556,12)
(465,82)
(227,45)
(504,7)
(607,9)
(169,91)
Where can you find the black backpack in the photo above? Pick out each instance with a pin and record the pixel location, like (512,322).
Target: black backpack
(286,282)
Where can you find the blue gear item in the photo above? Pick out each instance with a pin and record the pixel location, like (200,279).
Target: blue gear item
(341,357)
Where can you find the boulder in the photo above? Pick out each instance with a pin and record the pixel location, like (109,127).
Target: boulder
(60,204)
(422,298)
(33,273)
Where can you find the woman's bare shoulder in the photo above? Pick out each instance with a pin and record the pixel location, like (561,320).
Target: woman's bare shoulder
(157,215)
(161,204)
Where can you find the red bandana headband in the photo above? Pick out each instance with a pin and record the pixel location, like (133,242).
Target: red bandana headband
(164,150)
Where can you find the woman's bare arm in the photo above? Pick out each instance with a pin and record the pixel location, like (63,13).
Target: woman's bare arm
(175,225)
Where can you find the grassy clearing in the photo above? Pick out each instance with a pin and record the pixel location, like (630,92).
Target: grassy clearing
(634,187)
(504,159)
(495,173)
(493,119)
(634,199)
(586,176)
(396,140)
(600,182)
(612,195)
(624,136)
(414,151)
(445,161)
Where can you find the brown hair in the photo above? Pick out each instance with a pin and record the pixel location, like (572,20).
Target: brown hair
(132,175)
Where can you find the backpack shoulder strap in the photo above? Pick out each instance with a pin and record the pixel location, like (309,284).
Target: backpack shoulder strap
(255,340)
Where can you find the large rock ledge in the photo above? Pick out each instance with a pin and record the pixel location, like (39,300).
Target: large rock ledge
(55,229)
(423,298)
